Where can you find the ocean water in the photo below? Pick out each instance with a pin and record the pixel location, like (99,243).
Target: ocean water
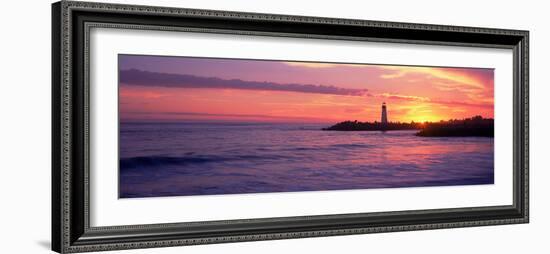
(179,159)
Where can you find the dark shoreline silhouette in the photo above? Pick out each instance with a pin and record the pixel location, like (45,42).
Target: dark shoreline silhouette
(476,126)
(375,126)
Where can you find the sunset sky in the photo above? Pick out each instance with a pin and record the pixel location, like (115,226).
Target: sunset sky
(155,88)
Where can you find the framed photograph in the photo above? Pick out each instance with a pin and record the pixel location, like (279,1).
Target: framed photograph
(181,126)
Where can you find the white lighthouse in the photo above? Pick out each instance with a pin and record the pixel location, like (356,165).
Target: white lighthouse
(384,114)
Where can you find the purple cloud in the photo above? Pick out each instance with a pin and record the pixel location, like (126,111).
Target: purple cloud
(158,79)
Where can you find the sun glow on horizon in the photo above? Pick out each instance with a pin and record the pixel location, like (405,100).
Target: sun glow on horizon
(275,91)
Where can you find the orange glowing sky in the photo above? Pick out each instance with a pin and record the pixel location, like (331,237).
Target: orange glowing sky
(155,88)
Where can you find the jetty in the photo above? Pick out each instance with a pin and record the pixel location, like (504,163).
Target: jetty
(374,126)
(476,126)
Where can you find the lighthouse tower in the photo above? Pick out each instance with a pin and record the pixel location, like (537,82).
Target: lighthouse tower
(384,114)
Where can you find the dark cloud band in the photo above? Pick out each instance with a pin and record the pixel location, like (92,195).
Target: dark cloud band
(157,79)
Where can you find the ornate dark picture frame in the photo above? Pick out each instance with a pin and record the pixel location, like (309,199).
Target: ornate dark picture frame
(71,230)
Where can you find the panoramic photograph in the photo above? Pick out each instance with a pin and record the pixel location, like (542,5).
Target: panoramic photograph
(213,126)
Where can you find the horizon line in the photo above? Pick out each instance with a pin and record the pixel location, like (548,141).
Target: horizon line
(280,121)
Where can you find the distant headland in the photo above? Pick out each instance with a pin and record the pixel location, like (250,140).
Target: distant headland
(476,126)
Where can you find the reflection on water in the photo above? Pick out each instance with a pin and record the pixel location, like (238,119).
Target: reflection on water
(160,159)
